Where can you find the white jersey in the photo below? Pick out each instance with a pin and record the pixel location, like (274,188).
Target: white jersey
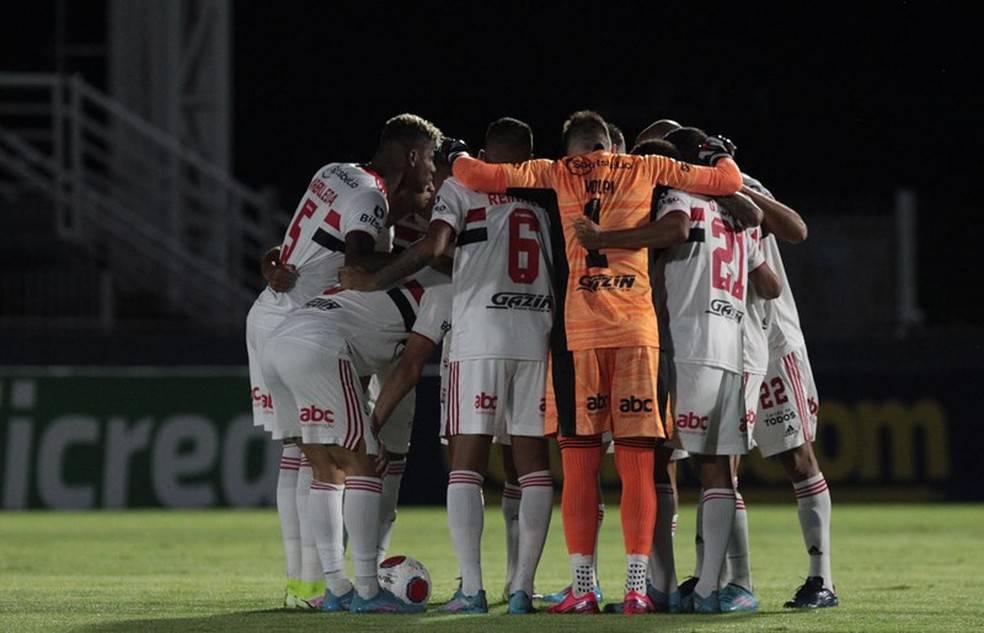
(369,328)
(340,199)
(502,269)
(706,281)
(785,332)
(756,322)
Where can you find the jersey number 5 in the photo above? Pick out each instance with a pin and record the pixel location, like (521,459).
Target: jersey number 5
(524,252)
(310,206)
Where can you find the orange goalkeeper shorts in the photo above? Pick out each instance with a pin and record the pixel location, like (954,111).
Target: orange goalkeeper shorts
(619,389)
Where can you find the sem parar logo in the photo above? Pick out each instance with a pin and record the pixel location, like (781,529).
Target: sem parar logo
(593,283)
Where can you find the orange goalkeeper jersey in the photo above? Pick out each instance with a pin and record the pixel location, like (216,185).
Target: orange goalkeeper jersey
(604,297)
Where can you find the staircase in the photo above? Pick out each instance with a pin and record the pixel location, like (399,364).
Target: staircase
(107,207)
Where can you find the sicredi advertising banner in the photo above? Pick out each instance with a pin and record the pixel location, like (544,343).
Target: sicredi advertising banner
(77,438)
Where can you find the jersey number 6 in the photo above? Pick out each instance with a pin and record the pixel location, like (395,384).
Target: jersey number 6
(523,270)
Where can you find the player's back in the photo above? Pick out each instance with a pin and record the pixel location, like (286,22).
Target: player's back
(502,306)
(706,281)
(370,328)
(341,198)
(608,299)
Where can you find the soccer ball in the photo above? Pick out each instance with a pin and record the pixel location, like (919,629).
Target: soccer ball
(406,578)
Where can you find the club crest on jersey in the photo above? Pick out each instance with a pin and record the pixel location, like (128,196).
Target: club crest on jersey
(594,283)
(322,304)
(723,308)
(520,301)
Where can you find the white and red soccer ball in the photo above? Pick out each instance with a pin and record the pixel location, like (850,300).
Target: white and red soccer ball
(406,578)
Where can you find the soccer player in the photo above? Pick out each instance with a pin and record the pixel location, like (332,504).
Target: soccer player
(618,138)
(336,221)
(705,273)
(604,342)
(787,403)
(314,363)
(502,316)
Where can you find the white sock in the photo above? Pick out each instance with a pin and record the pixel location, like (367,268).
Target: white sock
(583,573)
(310,562)
(290,526)
(534,521)
(662,566)
(636,566)
(511,496)
(813,507)
(718,519)
(737,567)
(361,510)
(699,536)
(601,519)
(387,505)
(325,517)
(466,519)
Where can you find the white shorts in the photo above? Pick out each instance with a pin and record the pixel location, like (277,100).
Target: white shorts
(259,324)
(786,416)
(496,397)
(709,409)
(395,435)
(317,396)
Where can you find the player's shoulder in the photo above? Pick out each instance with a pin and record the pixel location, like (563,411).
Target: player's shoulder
(675,198)
(352,178)
(755,185)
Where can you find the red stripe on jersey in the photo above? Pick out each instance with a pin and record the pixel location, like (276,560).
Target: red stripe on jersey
(334,220)
(334,290)
(416,290)
(697,214)
(475,215)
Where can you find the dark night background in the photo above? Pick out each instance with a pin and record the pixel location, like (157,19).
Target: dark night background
(826,98)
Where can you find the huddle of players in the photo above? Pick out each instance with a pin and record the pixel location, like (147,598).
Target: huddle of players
(554,321)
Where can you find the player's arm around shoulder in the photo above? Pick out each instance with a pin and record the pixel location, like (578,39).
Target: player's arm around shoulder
(440,234)
(765,282)
(780,219)
(479,175)
(403,378)
(671,227)
(762,278)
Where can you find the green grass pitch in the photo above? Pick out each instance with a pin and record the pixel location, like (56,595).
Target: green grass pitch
(897,568)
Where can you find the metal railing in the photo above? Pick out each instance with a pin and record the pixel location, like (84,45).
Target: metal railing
(164,219)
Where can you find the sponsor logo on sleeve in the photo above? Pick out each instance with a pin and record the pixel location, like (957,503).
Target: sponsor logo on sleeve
(340,173)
